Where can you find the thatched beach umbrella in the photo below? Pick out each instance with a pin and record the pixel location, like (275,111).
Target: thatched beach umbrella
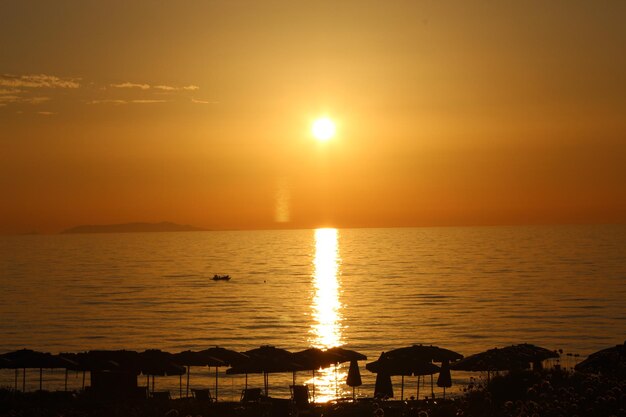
(421,354)
(227,356)
(505,359)
(610,361)
(266,360)
(312,359)
(343,355)
(104,360)
(30,359)
(508,358)
(154,362)
(402,365)
(189,358)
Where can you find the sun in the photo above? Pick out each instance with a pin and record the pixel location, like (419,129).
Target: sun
(323,129)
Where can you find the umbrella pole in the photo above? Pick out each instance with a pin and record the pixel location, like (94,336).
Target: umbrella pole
(148,383)
(293,378)
(402,389)
(188,371)
(66,380)
(24,380)
(180,386)
(83,380)
(40,379)
(418,388)
(444,393)
(153,384)
(313,385)
(432,387)
(336,383)
(353,394)
(216,384)
(246,380)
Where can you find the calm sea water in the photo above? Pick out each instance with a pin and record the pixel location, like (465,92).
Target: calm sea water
(466,289)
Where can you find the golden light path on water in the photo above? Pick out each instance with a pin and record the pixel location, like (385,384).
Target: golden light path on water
(326,311)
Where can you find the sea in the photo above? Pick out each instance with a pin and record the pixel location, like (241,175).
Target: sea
(467,289)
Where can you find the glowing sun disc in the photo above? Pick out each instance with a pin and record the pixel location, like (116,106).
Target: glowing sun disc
(323,129)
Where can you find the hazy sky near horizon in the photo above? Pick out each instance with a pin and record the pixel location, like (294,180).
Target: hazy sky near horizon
(199,112)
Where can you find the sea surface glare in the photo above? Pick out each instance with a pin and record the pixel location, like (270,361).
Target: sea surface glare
(371,290)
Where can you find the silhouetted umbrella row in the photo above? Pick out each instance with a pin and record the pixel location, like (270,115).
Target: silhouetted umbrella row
(415,360)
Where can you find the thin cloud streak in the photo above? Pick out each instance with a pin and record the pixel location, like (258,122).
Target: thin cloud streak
(37,81)
(132,85)
(137,101)
(148,101)
(20,99)
(196,101)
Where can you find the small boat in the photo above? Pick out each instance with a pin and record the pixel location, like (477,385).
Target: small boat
(221,277)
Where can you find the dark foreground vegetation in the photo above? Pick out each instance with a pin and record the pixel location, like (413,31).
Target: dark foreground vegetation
(547,393)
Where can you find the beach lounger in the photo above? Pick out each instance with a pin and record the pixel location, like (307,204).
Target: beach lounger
(250,395)
(160,395)
(202,394)
(300,396)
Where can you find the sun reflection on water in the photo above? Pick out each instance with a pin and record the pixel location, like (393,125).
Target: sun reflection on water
(326,311)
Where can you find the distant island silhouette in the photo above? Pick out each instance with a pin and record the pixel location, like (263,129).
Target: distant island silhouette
(133,228)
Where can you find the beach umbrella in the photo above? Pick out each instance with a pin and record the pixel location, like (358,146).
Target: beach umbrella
(345,355)
(354,377)
(383,387)
(536,354)
(312,359)
(505,359)
(103,360)
(227,356)
(155,362)
(500,359)
(610,361)
(190,358)
(402,365)
(266,360)
(30,359)
(426,353)
(445,378)
(109,360)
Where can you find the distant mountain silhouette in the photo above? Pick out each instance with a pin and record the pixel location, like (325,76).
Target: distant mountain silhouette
(133,228)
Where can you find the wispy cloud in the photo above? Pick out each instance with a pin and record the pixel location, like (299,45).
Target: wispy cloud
(148,101)
(36,100)
(37,81)
(132,85)
(166,88)
(137,101)
(194,100)
(107,102)
(9,98)
(174,88)
(5,91)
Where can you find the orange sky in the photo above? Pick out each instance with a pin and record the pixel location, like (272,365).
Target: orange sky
(199,112)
